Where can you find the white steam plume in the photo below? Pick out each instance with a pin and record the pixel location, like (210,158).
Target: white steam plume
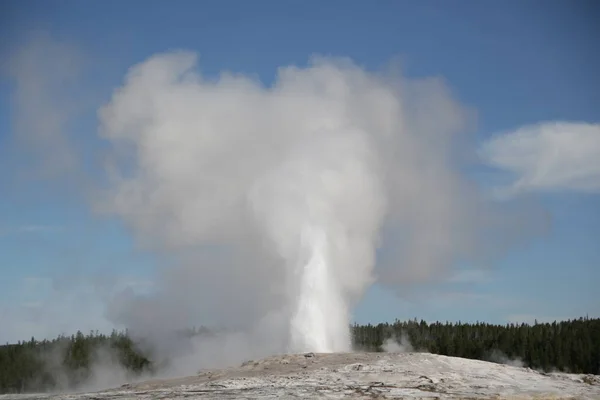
(288,163)
(271,201)
(399,344)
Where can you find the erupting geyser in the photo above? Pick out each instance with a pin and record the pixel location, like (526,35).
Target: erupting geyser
(318,324)
(291,182)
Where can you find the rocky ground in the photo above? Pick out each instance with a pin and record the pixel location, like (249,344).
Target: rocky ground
(358,375)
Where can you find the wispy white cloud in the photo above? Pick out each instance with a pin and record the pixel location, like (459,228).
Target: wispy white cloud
(550,156)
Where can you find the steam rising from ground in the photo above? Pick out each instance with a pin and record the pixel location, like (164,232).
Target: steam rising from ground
(498,357)
(398,345)
(297,178)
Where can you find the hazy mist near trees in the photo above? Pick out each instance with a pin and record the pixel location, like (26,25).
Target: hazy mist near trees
(66,362)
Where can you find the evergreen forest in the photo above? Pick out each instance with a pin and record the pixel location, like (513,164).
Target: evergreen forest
(66,362)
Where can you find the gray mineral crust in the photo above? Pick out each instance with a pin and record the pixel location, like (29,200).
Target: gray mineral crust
(357,375)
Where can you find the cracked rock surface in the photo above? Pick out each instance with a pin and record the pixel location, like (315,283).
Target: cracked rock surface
(357,375)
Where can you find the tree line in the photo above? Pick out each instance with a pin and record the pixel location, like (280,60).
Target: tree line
(569,346)
(65,362)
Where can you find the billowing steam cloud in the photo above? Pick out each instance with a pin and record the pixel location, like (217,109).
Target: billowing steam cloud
(273,208)
(273,198)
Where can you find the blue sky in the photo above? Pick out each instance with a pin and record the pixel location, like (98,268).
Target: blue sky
(515,63)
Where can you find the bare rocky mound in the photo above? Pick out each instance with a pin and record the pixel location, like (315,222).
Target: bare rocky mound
(362,375)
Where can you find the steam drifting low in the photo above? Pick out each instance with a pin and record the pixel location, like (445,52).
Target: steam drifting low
(271,201)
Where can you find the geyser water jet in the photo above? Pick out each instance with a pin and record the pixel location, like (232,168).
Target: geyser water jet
(320,321)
